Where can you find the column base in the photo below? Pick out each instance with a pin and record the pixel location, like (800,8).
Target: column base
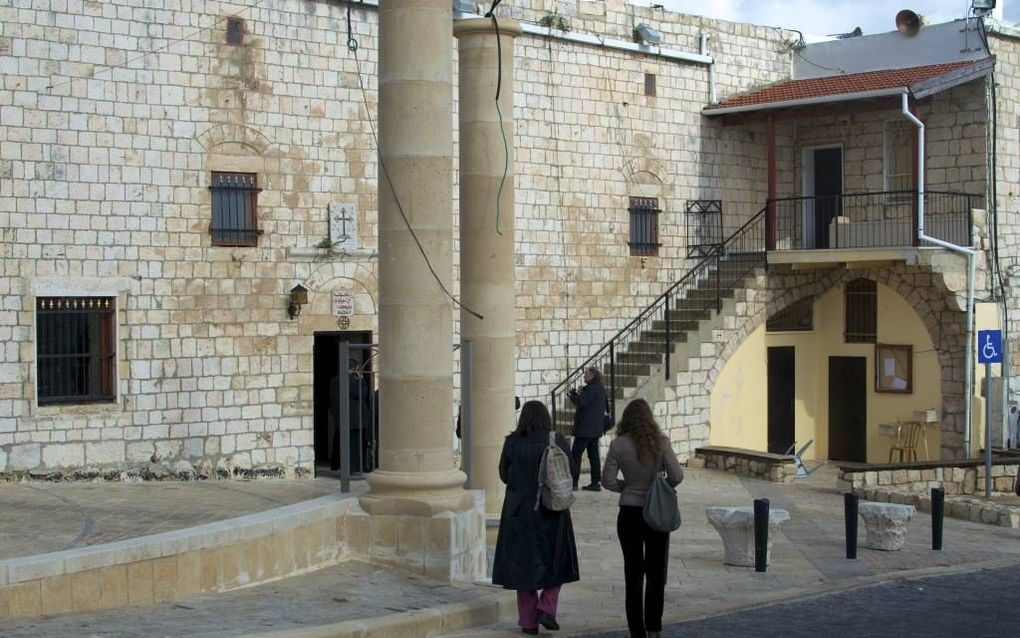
(448,546)
(416,493)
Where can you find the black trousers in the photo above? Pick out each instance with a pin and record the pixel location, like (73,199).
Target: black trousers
(577,451)
(645,555)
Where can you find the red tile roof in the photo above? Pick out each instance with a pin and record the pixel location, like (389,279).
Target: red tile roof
(839,85)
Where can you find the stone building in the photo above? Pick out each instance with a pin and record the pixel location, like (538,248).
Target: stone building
(188,202)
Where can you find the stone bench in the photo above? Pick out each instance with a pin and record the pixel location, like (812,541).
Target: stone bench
(736,527)
(885,525)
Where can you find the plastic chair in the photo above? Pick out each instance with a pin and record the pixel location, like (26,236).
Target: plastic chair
(908,435)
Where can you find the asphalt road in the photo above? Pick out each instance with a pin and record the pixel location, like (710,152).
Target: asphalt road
(973,605)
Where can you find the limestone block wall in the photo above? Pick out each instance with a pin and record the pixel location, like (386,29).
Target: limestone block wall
(105,161)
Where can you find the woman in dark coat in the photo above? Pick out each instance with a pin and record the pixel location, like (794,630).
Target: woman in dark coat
(535,548)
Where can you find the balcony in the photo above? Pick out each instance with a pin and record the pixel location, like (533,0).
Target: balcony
(864,226)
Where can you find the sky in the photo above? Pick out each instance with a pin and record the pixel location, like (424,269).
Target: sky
(824,17)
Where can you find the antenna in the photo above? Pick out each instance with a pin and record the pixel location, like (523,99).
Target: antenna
(908,23)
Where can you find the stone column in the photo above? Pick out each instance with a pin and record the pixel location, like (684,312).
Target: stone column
(416,459)
(487,239)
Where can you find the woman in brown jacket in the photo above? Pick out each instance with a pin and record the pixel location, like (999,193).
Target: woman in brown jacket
(640,450)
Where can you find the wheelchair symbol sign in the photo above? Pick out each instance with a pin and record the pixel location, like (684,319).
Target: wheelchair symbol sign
(989,346)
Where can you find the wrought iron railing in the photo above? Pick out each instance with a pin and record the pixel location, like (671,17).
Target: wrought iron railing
(648,339)
(868,220)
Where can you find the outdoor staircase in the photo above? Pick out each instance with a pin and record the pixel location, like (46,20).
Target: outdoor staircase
(648,354)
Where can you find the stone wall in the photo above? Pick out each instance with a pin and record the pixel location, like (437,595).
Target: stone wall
(770,467)
(962,478)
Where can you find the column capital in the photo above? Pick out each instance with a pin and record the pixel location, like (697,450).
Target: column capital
(479,26)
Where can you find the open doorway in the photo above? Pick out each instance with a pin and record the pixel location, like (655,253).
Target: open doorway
(781,399)
(822,186)
(330,377)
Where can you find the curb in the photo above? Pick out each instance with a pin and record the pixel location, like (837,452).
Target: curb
(422,623)
(824,588)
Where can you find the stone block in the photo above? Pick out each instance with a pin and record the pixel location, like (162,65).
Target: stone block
(24,457)
(86,590)
(104,453)
(358,526)
(56,595)
(164,579)
(210,570)
(139,582)
(113,587)
(384,535)
(885,525)
(25,599)
(1009,518)
(188,573)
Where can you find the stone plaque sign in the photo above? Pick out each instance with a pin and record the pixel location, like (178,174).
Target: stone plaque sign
(343,226)
(343,302)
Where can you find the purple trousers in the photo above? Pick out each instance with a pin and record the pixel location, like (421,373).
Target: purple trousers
(529,603)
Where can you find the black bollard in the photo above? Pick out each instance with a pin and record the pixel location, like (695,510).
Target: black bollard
(761,534)
(938,512)
(850,501)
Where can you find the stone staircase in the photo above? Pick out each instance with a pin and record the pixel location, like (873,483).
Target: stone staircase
(634,363)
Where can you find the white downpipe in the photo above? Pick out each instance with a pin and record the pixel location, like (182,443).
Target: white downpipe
(703,50)
(968,383)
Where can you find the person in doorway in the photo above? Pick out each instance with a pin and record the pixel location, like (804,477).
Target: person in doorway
(360,415)
(639,451)
(589,426)
(535,549)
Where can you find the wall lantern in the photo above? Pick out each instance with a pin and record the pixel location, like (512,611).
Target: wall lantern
(646,34)
(298,298)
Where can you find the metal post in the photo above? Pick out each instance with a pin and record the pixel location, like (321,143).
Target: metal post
(612,380)
(465,409)
(344,418)
(669,347)
(850,503)
(988,430)
(761,534)
(938,512)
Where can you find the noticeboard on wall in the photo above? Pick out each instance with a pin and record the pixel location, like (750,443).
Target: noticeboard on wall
(894,368)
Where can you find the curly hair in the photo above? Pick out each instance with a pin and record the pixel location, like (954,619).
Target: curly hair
(638,423)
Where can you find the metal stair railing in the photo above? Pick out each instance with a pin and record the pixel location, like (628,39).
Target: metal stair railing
(691,298)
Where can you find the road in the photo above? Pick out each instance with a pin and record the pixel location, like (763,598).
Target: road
(972,605)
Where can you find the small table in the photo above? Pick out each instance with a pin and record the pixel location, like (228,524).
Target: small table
(885,525)
(736,527)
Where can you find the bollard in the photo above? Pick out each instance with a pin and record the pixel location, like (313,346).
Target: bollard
(850,502)
(938,512)
(761,534)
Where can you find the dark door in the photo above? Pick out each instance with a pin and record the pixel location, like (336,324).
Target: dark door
(781,398)
(848,409)
(330,378)
(828,191)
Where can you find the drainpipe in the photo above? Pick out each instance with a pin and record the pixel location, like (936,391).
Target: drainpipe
(971,254)
(703,50)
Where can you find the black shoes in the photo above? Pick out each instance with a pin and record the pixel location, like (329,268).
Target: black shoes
(594,487)
(530,632)
(548,621)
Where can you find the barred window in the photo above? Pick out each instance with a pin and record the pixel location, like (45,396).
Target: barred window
(644,226)
(797,317)
(861,311)
(234,209)
(76,349)
(898,165)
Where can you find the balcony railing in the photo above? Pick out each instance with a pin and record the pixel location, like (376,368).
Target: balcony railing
(869,220)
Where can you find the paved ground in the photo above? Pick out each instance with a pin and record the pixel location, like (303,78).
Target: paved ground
(48,517)
(349,591)
(807,559)
(980,603)
(808,554)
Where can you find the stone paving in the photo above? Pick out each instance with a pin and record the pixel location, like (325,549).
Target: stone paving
(808,557)
(48,517)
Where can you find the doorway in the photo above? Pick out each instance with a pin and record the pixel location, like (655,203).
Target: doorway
(823,192)
(781,399)
(329,378)
(848,409)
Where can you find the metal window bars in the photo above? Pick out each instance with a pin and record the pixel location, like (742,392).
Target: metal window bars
(75,349)
(644,226)
(234,209)
(704,222)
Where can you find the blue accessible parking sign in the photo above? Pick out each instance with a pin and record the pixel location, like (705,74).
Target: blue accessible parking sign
(989,346)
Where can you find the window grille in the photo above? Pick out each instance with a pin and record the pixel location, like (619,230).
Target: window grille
(650,84)
(861,311)
(235,31)
(234,209)
(797,317)
(644,226)
(898,167)
(76,349)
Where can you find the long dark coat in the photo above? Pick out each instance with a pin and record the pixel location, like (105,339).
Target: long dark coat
(535,548)
(589,420)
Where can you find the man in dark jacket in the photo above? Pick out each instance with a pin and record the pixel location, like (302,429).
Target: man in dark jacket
(589,425)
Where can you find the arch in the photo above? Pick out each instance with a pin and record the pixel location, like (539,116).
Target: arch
(924,292)
(237,134)
(332,274)
(644,170)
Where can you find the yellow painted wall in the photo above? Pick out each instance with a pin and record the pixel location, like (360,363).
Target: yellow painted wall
(739,415)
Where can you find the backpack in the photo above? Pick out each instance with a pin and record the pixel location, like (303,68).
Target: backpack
(555,481)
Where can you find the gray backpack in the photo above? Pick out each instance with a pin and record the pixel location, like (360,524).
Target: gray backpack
(555,481)
(662,512)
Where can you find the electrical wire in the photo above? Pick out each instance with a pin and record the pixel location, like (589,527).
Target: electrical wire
(499,113)
(352,46)
(191,35)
